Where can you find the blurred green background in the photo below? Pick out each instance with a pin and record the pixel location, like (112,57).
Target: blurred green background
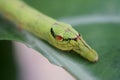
(103,36)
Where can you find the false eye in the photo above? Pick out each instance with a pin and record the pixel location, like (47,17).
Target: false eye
(59,38)
(79,35)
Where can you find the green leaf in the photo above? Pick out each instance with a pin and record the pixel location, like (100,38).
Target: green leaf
(99,23)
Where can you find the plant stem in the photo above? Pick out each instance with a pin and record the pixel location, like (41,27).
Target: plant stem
(25,16)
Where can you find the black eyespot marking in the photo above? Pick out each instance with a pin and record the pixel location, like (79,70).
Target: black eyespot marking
(75,39)
(64,39)
(57,37)
(52,32)
(78,37)
(68,39)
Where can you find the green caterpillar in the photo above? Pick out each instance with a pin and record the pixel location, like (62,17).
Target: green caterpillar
(58,34)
